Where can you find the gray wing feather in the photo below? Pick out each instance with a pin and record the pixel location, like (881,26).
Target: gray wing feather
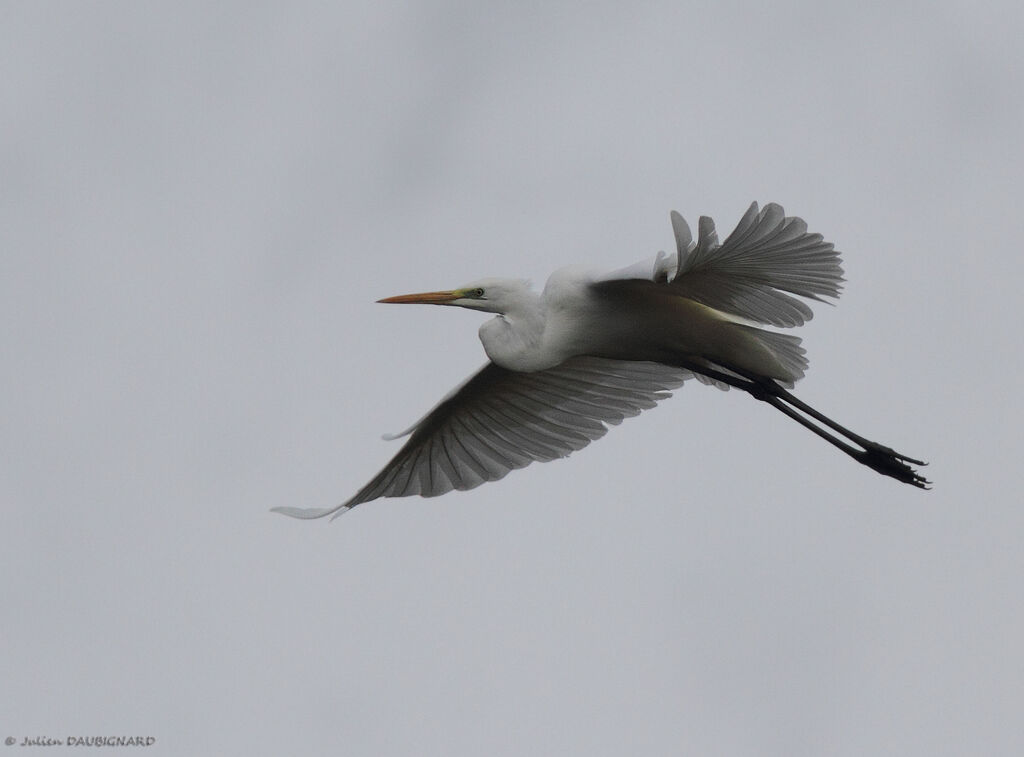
(750,273)
(501,420)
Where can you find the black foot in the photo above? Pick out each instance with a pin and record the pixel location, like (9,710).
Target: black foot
(888,462)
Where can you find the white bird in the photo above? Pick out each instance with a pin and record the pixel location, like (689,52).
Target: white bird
(592,349)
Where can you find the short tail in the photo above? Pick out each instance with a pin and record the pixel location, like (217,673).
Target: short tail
(785,351)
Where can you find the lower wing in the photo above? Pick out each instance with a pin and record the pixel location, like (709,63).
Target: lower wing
(500,420)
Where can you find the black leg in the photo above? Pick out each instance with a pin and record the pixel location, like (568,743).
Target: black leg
(876,456)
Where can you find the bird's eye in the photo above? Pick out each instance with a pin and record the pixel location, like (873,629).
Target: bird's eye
(478,292)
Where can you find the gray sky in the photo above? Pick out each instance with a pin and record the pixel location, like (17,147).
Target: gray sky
(199,208)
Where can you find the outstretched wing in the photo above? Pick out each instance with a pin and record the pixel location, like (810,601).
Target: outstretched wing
(749,274)
(500,420)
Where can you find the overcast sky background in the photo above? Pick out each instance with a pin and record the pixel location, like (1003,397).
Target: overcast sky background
(199,206)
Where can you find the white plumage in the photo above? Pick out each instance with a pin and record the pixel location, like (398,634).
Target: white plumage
(593,349)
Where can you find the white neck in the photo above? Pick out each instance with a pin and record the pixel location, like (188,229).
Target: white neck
(515,339)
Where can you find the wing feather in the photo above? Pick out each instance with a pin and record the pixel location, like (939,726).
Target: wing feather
(752,274)
(501,420)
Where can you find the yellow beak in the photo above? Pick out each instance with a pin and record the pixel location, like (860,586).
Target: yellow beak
(425,298)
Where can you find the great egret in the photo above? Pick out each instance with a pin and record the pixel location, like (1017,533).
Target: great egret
(593,349)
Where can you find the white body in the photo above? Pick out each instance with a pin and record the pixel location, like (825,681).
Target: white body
(592,349)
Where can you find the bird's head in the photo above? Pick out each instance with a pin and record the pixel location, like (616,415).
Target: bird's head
(488,295)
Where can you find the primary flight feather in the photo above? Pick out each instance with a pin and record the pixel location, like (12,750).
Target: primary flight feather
(593,349)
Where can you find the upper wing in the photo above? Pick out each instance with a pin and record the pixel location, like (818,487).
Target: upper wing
(748,275)
(500,420)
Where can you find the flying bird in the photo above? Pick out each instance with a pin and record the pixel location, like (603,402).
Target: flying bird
(592,349)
